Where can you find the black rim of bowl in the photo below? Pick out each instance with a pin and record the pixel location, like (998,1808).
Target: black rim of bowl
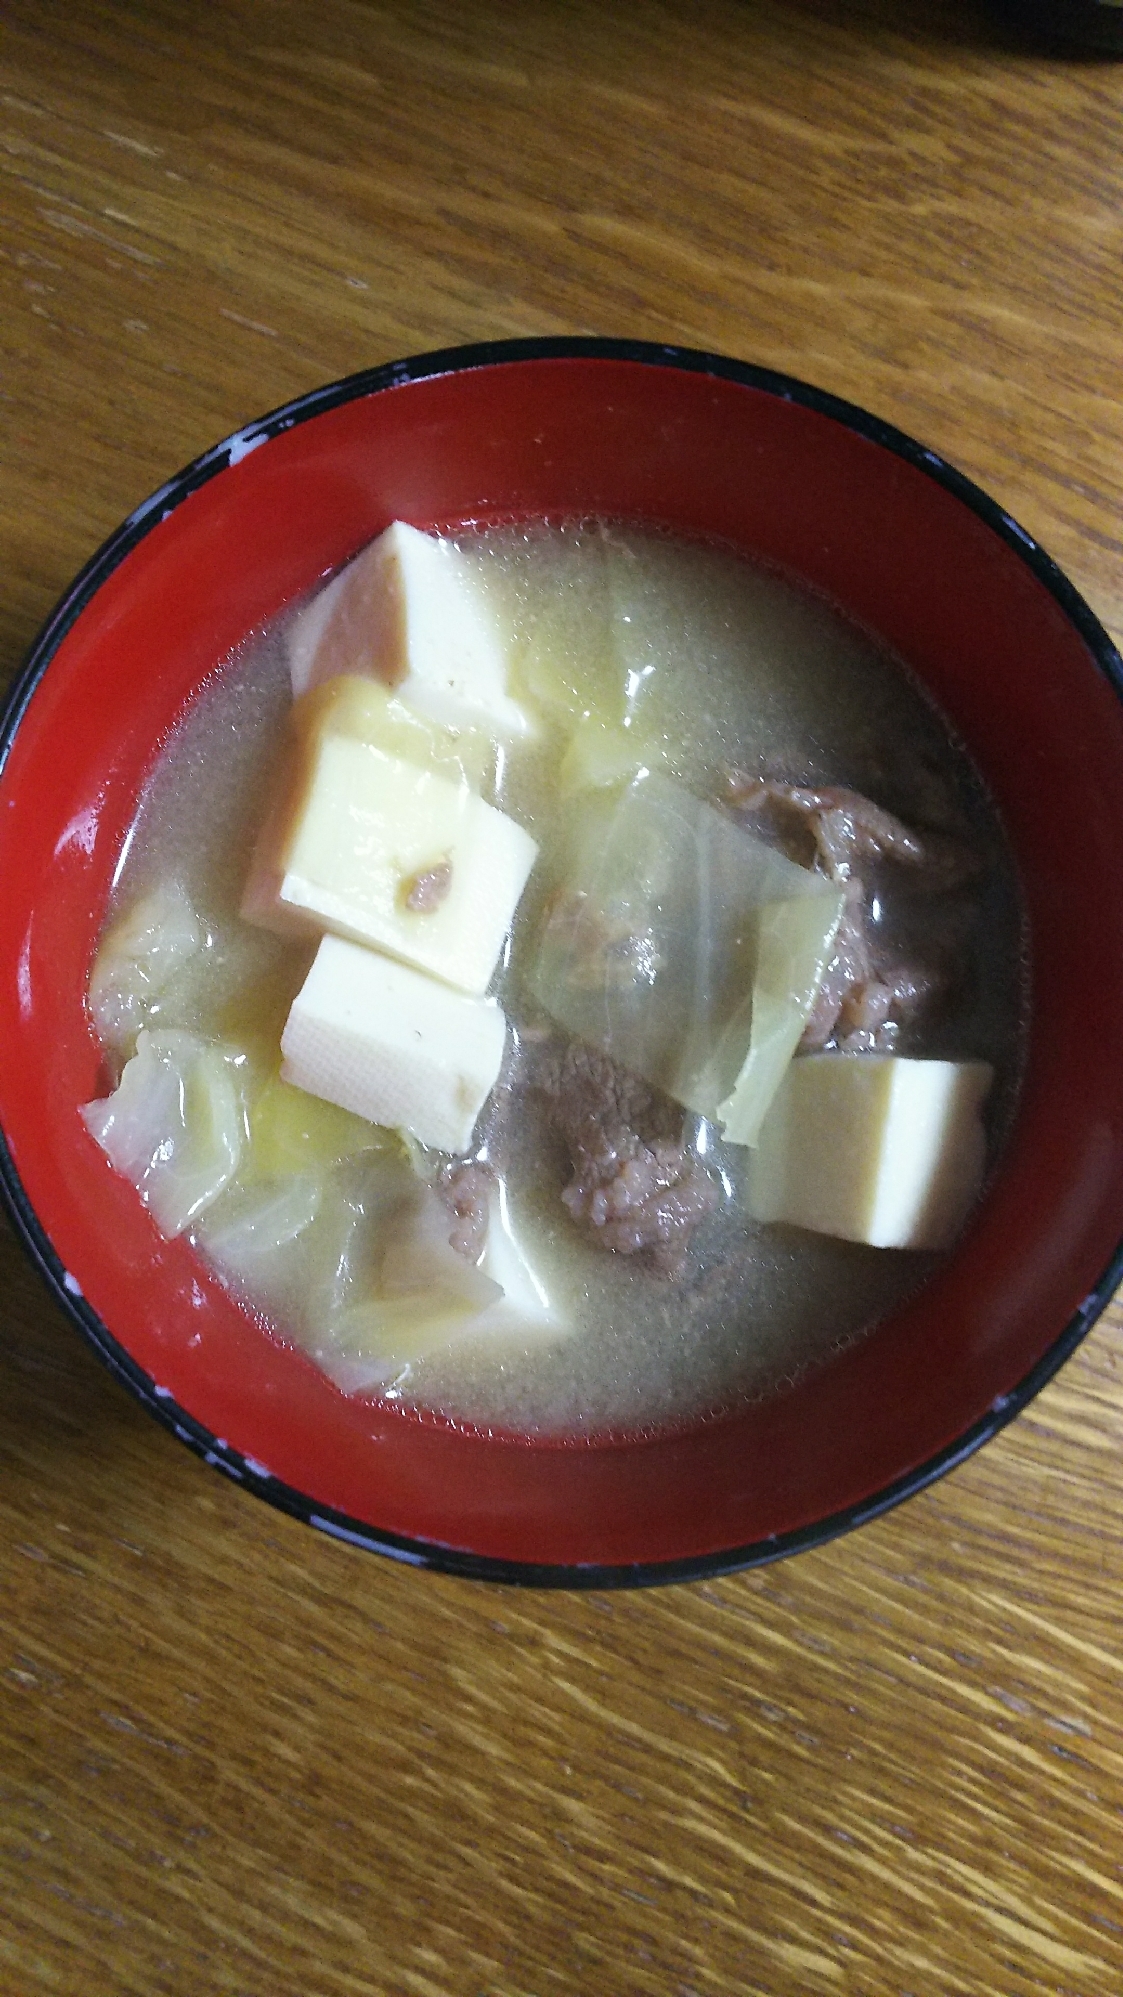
(158,1401)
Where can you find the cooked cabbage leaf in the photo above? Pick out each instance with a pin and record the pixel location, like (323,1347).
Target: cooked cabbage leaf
(599,757)
(292,1131)
(686,948)
(139,958)
(175,1125)
(253,1234)
(424,1295)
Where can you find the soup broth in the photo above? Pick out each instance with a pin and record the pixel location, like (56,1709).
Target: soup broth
(712,666)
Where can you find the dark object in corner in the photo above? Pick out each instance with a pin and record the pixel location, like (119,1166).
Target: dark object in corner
(1068,27)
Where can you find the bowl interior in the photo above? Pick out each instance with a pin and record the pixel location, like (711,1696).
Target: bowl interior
(896,546)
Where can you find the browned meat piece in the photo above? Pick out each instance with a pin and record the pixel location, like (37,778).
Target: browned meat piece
(850,969)
(427,890)
(866,1008)
(465,1189)
(872,1014)
(636,1192)
(844,826)
(865,998)
(604,952)
(862,1006)
(838,830)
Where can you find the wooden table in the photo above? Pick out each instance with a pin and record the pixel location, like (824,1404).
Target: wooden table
(234,1757)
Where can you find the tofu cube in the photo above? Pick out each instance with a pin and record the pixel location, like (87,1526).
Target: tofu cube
(408,611)
(371,846)
(393,1045)
(371,713)
(873,1148)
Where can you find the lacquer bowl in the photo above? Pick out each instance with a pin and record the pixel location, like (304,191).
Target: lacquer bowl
(707,447)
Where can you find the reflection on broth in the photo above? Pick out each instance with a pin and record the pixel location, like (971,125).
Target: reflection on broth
(758,950)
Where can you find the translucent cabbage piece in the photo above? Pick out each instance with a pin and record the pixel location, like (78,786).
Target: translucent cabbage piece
(599,756)
(252,1234)
(419,1256)
(524,1308)
(594,637)
(304,1246)
(686,948)
(373,1344)
(291,1131)
(793,949)
(367,711)
(175,1125)
(425,1295)
(166,965)
(139,958)
(354,1260)
(343,1248)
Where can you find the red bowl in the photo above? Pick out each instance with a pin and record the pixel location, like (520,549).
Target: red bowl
(708,447)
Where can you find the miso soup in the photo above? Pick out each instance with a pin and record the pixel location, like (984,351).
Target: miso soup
(622,1283)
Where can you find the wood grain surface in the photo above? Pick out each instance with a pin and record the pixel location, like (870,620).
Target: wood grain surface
(234,1757)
